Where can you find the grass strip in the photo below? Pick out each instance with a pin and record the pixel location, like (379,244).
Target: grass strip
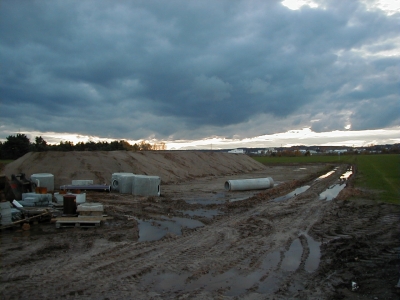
(380,172)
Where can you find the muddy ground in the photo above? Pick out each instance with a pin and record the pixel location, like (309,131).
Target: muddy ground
(199,241)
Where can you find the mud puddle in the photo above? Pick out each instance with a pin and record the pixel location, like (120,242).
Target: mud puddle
(314,256)
(233,281)
(327,174)
(153,230)
(334,190)
(218,198)
(266,278)
(238,199)
(296,192)
(210,213)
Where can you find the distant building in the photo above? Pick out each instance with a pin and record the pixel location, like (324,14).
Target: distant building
(239,151)
(340,151)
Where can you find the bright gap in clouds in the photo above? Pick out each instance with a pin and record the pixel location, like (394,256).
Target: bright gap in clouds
(390,7)
(304,136)
(297,4)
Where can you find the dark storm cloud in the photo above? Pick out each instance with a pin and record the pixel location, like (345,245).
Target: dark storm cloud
(133,69)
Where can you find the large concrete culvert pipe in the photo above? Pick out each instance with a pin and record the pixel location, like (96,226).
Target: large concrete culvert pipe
(249,184)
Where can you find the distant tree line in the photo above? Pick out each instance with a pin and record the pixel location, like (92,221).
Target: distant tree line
(18,145)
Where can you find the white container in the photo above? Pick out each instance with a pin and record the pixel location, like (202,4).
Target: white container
(17,204)
(90,207)
(143,185)
(33,197)
(122,182)
(82,182)
(43,180)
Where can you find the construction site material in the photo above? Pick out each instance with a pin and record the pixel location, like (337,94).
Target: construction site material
(122,181)
(59,197)
(80,198)
(5,205)
(249,184)
(92,187)
(90,209)
(78,222)
(14,188)
(41,190)
(143,185)
(33,218)
(17,204)
(82,182)
(69,207)
(43,180)
(5,212)
(33,199)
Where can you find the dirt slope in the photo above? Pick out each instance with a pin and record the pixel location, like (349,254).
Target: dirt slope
(171,166)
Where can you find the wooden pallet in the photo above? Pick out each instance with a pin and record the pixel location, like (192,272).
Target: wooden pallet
(78,222)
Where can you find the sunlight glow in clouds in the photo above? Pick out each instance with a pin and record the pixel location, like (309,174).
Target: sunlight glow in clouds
(304,136)
(297,4)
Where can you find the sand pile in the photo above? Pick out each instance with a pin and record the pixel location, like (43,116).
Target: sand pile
(171,166)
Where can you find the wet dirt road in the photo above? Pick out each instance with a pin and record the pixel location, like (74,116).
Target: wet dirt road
(266,247)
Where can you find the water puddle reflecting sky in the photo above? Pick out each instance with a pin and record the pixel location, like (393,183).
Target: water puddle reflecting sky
(314,256)
(292,257)
(326,175)
(332,192)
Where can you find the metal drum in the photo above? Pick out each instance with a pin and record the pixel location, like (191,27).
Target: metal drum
(69,206)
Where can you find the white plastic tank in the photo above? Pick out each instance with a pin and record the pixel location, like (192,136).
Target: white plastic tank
(125,184)
(44,180)
(80,198)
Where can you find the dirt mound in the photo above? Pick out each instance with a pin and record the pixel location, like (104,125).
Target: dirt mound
(171,166)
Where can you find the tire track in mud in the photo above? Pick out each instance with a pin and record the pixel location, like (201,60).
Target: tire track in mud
(233,243)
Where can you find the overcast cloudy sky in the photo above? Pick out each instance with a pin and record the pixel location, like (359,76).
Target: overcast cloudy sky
(192,73)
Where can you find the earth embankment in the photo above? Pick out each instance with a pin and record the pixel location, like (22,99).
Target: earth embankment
(171,166)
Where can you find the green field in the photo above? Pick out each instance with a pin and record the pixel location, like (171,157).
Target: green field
(375,172)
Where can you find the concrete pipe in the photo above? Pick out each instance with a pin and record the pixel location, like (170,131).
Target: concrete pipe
(249,184)
(115,178)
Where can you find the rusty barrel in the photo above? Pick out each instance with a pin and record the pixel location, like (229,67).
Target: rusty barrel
(69,207)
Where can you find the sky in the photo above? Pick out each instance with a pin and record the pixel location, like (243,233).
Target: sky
(201,74)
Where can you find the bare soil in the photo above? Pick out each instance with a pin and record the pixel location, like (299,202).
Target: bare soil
(230,245)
